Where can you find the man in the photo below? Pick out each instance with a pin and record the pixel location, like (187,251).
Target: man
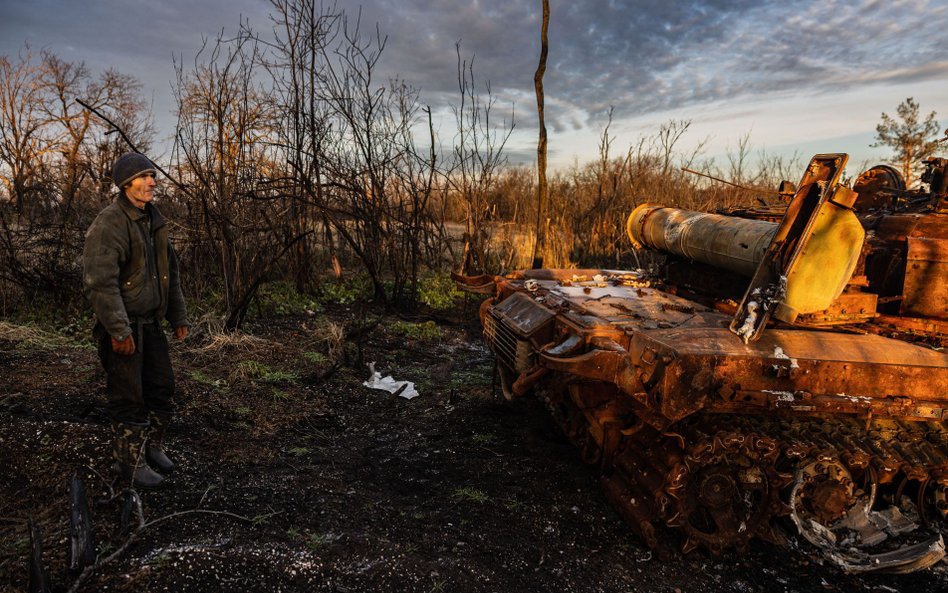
(130,277)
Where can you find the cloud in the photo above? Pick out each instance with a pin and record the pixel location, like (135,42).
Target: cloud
(641,56)
(654,56)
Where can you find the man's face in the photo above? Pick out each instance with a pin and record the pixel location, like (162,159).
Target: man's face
(141,190)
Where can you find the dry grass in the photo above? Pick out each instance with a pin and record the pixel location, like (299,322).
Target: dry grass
(331,337)
(219,342)
(34,336)
(227,343)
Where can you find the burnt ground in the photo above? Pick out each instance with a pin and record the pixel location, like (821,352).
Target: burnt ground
(294,477)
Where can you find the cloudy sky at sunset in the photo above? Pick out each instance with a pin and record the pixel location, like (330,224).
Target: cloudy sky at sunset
(805,76)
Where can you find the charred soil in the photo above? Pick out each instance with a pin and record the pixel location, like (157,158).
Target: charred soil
(292,476)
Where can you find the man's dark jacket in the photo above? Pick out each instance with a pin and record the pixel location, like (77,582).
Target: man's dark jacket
(130,270)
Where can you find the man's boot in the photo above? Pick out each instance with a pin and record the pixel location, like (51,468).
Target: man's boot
(128,440)
(154,451)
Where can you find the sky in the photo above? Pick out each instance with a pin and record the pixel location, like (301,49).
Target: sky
(797,76)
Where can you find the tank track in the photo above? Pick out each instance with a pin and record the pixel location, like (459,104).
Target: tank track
(863,488)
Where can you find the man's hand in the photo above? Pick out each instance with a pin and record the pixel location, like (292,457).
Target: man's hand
(181,332)
(125,347)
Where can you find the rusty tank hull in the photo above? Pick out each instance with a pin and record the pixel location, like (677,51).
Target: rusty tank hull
(723,422)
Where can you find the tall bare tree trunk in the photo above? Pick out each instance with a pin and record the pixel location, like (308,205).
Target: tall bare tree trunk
(542,191)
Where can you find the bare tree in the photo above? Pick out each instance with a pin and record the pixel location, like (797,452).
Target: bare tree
(478,156)
(224,123)
(542,190)
(84,154)
(739,160)
(370,123)
(303,32)
(51,169)
(597,229)
(24,141)
(349,144)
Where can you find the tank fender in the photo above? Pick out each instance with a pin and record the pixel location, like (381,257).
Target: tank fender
(676,385)
(609,366)
(482,284)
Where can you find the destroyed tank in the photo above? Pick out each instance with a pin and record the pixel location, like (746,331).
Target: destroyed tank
(783,371)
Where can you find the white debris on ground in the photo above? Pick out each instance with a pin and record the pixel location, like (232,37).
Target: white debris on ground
(404,389)
(183,549)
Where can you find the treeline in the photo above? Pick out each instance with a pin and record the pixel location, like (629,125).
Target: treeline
(292,162)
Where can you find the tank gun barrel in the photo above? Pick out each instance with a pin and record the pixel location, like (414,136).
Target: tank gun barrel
(726,242)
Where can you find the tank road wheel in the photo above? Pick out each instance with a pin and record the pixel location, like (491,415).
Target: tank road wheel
(823,495)
(835,514)
(731,493)
(934,501)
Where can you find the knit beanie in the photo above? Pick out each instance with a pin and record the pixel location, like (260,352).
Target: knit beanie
(129,166)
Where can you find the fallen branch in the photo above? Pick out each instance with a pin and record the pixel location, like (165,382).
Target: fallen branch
(142,526)
(317,378)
